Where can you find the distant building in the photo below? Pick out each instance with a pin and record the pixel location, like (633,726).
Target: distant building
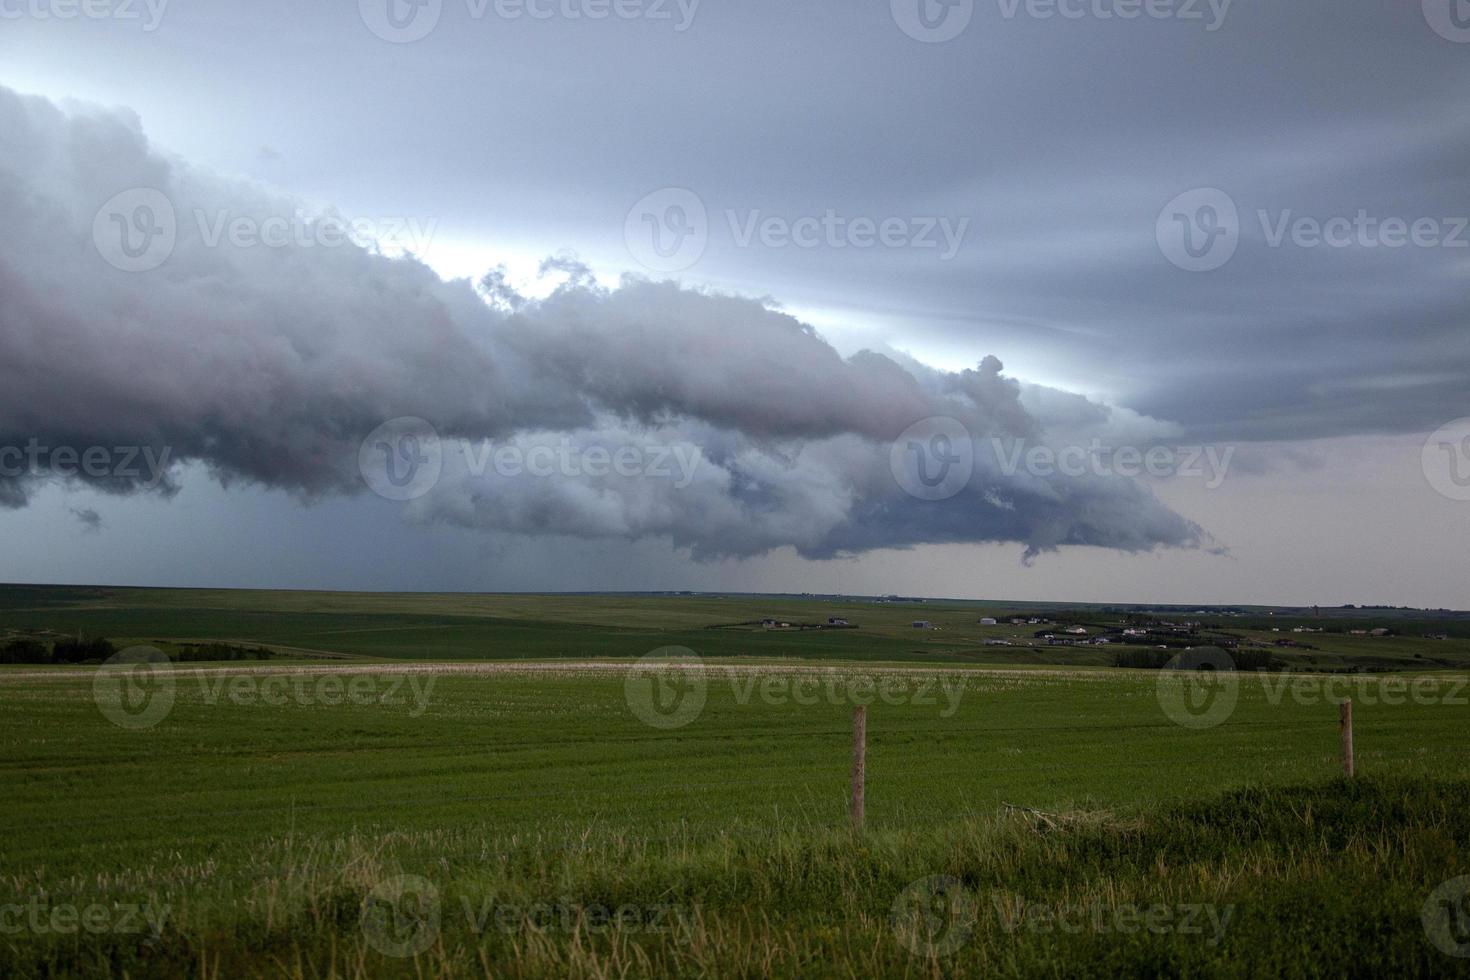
(921,624)
(1077,630)
(987,621)
(769,624)
(837,621)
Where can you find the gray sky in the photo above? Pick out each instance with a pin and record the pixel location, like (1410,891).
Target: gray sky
(1233,232)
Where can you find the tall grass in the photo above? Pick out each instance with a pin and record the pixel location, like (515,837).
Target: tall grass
(1316,881)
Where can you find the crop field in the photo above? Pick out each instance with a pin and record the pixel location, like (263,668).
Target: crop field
(553,806)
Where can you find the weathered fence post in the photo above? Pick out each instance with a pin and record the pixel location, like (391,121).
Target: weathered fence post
(859,762)
(1347,738)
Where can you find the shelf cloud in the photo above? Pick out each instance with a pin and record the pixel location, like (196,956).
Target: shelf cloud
(154,310)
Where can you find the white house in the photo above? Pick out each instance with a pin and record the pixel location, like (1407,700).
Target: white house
(988,621)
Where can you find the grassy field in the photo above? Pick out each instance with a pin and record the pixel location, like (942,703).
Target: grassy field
(436,627)
(369,817)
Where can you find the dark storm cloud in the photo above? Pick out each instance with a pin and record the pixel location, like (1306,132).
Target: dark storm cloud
(90,520)
(1060,138)
(129,332)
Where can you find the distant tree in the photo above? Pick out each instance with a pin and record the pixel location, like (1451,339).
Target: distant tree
(24,652)
(80,651)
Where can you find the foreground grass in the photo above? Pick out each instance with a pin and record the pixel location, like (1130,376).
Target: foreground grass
(1327,880)
(495,822)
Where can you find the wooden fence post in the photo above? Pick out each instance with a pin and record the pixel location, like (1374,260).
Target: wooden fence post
(859,762)
(1347,738)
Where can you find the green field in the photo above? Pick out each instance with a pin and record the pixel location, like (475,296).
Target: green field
(371,817)
(437,627)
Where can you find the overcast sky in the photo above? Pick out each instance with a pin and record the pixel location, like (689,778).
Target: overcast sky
(870,297)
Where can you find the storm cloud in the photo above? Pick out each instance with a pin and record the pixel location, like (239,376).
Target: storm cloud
(270,358)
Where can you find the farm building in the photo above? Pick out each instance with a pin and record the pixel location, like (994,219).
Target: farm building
(922,624)
(987,621)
